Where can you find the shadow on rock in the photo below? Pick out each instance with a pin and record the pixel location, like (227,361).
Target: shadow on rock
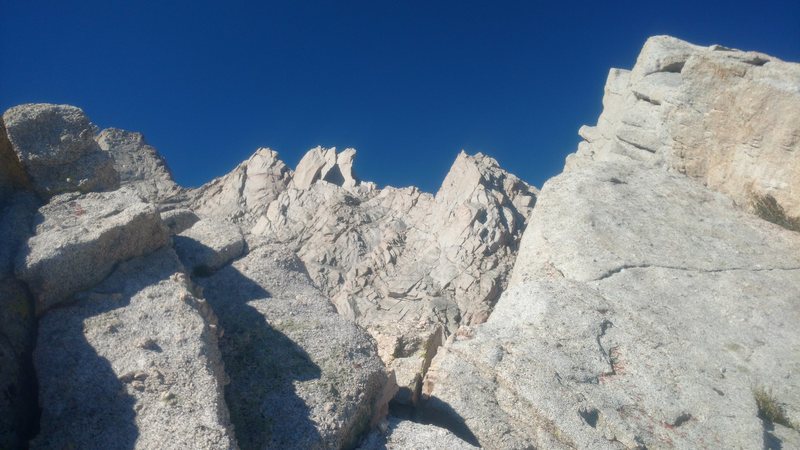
(84,403)
(262,364)
(433,411)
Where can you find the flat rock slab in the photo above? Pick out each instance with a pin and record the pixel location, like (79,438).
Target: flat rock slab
(407,435)
(133,364)
(208,245)
(79,238)
(644,311)
(55,144)
(301,375)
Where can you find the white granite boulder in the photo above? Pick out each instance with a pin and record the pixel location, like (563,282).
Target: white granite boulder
(55,144)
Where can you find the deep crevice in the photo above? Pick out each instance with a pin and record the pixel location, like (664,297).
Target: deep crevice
(31,382)
(634,144)
(623,267)
(23,395)
(644,98)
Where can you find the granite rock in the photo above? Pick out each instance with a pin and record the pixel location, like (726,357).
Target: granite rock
(55,144)
(134,363)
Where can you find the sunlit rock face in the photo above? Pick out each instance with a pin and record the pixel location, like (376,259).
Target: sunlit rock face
(647,297)
(647,307)
(727,118)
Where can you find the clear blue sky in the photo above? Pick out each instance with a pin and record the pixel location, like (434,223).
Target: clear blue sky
(407,83)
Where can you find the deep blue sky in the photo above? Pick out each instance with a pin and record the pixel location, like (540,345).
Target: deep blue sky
(406,83)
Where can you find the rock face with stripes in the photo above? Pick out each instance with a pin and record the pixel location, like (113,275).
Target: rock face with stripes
(727,118)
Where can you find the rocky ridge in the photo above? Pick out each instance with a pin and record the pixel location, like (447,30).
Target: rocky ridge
(641,299)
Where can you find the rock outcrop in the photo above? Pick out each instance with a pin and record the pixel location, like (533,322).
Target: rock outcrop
(644,309)
(643,299)
(647,319)
(725,117)
(244,194)
(55,144)
(408,266)
(138,164)
(325,164)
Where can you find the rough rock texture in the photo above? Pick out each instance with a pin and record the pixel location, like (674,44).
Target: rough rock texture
(728,118)
(139,165)
(645,319)
(407,435)
(646,308)
(55,144)
(242,195)
(408,266)
(301,375)
(133,364)
(209,245)
(79,238)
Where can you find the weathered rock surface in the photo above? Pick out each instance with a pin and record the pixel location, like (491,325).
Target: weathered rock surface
(79,238)
(407,435)
(133,364)
(301,375)
(646,319)
(728,118)
(55,144)
(209,245)
(244,194)
(408,266)
(139,165)
(646,308)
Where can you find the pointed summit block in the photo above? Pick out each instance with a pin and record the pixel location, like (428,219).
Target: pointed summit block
(244,194)
(324,164)
(138,164)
